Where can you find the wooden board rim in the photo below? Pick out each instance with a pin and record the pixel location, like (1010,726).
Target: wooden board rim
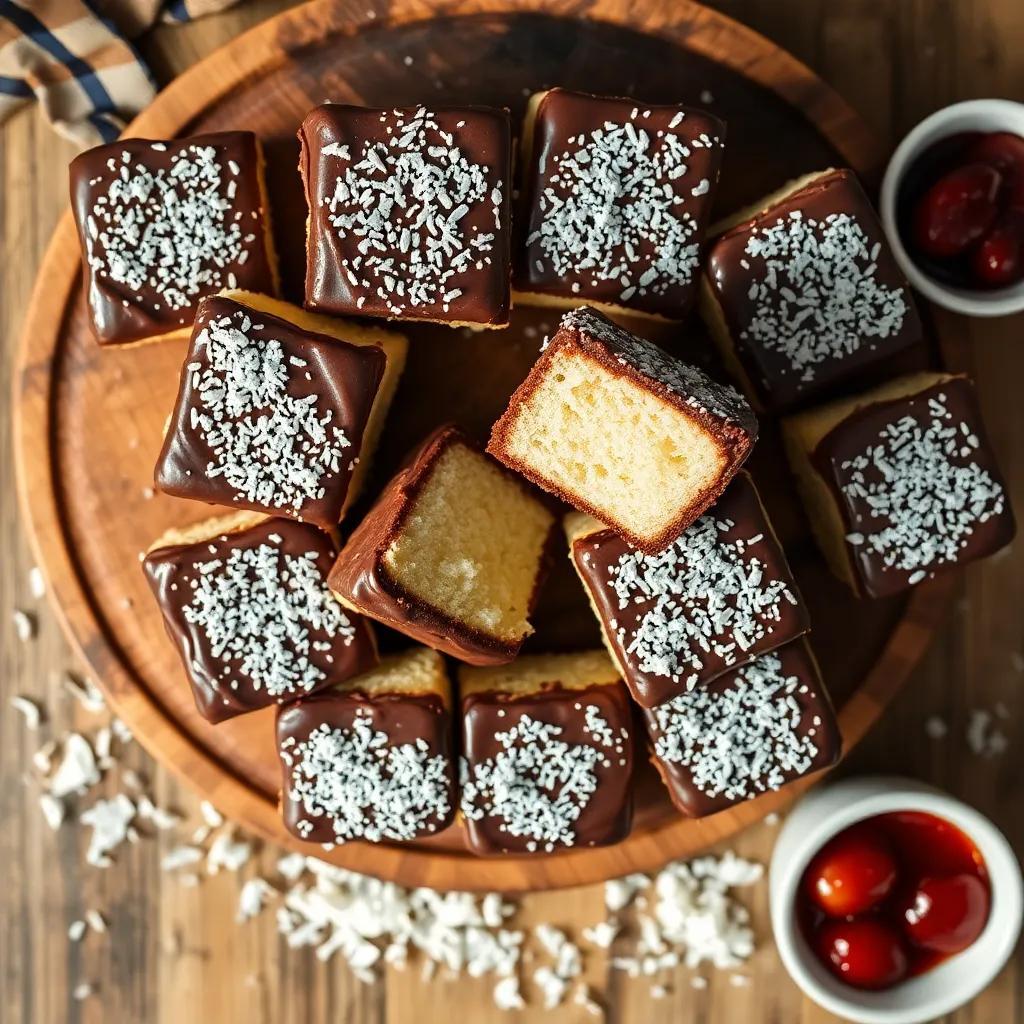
(697,28)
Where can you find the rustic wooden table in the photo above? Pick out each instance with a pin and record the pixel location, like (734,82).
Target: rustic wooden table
(173,953)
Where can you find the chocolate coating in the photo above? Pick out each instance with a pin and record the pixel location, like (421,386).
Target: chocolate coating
(728,751)
(693,612)
(421,212)
(361,578)
(146,267)
(421,720)
(606,813)
(253,440)
(228,634)
(799,320)
(943,502)
(613,213)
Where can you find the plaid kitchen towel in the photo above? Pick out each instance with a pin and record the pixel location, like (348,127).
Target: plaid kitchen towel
(76,58)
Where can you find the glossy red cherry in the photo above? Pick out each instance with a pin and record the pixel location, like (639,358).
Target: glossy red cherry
(957,210)
(852,872)
(1005,152)
(866,952)
(947,914)
(998,261)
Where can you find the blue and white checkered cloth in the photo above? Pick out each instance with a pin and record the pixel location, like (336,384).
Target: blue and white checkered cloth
(77,59)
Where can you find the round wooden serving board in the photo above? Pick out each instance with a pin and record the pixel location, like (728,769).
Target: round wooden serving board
(89,421)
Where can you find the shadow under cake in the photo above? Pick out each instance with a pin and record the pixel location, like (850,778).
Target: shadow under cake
(617,197)
(244,599)
(371,758)
(547,754)
(162,224)
(409,213)
(617,428)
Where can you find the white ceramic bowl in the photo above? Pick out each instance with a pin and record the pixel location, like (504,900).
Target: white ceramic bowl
(828,810)
(970,116)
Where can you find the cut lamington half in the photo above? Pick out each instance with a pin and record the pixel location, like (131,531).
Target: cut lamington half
(749,732)
(619,429)
(452,554)
(547,754)
(801,291)
(718,596)
(245,601)
(163,224)
(900,483)
(278,411)
(409,213)
(371,758)
(617,197)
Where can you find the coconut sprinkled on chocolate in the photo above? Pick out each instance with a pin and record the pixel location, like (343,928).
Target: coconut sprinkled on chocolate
(538,785)
(741,740)
(816,293)
(916,492)
(704,595)
(274,448)
(369,787)
(174,230)
(404,200)
(616,191)
(268,616)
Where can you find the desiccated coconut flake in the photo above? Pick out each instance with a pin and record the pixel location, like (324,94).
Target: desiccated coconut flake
(210,814)
(111,825)
(53,810)
(77,770)
(24,625)
(37,582)
(76,931)
(255,894)
(29,710)
(181,857)
(507,995)
(227,851)
(85,691)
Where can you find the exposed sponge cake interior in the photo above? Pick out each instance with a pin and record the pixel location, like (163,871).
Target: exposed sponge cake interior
(207,529)
(472,543)
(622,449)
(416,672)
(537,673)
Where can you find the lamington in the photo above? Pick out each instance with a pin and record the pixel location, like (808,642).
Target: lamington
(618,197)
(452,554)
(750,731)
(163,224)
(617,428)
(409,213)
(371,758)
(277,410)
(801,291)
(718,597)
(547,754)
(245,601)
(900,483)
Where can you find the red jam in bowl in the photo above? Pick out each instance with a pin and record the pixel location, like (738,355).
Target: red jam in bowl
(893,896)
(960,209)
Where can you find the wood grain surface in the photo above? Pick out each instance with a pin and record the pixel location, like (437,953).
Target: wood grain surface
(173,954)
(88,421)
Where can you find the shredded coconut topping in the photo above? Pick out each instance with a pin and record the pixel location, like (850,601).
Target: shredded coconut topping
(405,200)
(705,594)
(919,484)
(273,448)
(615,194)
(265,614)
(818,296)
(538,785)
(742,740)
(369,787)
(172,230)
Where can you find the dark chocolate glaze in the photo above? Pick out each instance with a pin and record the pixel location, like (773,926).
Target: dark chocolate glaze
(813,701)
(596,554)
(344,378)
(850,437)
(361,578)
(403,718)
(220,687)
(483,136)
(563,118)
(120,313)
(608,815)
(770,372)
